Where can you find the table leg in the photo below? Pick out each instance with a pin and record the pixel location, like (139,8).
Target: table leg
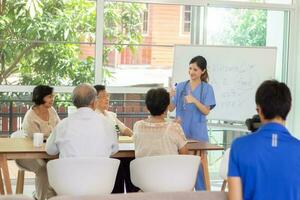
(4,166)
(1,183)
(20,182)
(204,164)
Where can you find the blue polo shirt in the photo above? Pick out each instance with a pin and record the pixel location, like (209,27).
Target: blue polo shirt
(268,163)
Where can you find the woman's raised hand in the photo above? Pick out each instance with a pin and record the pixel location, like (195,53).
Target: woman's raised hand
(172,92)
(190,98)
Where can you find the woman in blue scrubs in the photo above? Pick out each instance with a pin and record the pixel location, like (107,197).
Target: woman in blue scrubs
(193,100)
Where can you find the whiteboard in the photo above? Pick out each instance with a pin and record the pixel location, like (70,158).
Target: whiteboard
(234,72)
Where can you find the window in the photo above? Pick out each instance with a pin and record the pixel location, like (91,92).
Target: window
(55,43)
(186,19)
(249,27)
(266,1)
(145,19)
(132,58)
(49,43)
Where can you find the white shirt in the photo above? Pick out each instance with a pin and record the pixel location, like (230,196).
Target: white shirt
(83,134)
(112,118)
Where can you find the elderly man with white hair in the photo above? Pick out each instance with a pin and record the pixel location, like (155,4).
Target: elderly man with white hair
(84,133)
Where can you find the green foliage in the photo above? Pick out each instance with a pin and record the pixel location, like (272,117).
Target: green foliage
(41,39)
(122,26)
(246,28)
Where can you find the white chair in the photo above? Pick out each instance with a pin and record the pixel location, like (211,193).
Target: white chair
(168,173)
(21,171)
(224,168)
(82,176)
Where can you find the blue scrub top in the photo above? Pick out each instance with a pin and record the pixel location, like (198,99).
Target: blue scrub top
(268,163)
(193,121)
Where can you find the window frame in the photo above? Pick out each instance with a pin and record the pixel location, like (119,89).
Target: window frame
(146,12)
(183,21)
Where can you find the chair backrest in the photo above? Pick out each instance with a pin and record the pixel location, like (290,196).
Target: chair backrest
(168,173)
(18,134)
(82,176)
(224,165)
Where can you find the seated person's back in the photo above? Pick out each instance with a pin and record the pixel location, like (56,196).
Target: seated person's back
(266,164)
(84,133)
(155,135)
(162,138)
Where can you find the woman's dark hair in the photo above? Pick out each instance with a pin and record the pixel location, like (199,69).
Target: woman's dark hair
(99,88)
(274,99)
(39,92)
(157,101)
(201,64)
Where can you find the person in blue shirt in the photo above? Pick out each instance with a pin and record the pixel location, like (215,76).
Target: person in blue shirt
(266,164)
(193,100)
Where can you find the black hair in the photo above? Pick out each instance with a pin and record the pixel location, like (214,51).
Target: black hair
(274,99)
(201,64)
(157,101)
(99,88)
(39,92)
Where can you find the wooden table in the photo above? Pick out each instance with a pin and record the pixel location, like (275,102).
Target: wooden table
(22,148)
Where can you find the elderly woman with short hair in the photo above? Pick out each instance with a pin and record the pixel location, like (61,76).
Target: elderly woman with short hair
(40,118)
(156,135)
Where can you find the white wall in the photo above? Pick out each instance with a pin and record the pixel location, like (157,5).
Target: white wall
(297,81)
(275,31)
(294,79)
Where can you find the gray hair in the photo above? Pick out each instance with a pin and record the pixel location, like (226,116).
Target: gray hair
(84,95)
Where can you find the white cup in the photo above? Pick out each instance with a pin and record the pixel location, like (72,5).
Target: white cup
(38,139)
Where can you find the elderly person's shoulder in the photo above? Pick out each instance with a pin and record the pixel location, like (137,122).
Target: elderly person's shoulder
(175,127)
(138,126)
(29,112)
(99,115)
(52,110)
(86,113)
(83,112)
(174,124)
(30,117)
(111,114)
(62,122)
